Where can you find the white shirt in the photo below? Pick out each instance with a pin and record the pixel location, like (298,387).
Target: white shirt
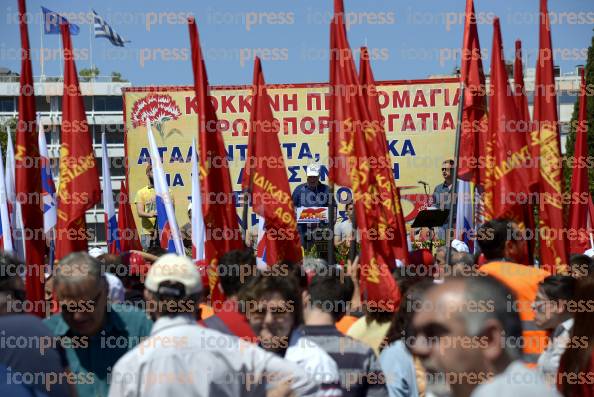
(182,358)
(317,363)
(548,361)
(516,380)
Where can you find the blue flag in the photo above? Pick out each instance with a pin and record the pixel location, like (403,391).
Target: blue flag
(52,21)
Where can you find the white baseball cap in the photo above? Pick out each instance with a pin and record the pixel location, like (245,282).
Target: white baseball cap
(313,170)
(174,268)
(460,246)
(96,252)
(589,252)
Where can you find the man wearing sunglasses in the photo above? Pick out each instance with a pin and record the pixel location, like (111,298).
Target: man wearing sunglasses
(469,330)
(95,333)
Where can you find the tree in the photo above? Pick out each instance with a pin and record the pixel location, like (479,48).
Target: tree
(88,74)
(12,122)
(116,77)
(570,143)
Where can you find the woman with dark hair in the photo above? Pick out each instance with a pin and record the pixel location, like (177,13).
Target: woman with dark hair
(404,375)
(576,369)
(272,303)
(552,314)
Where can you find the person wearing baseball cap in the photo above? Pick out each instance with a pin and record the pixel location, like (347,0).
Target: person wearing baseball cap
(189,359)
(313,193)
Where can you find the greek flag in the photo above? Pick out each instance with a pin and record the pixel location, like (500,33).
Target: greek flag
(102,29)
(52,21)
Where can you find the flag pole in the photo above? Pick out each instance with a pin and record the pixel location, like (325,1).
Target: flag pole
(331,222)
(244,215)
(454,191)
(41,58)
(353,247)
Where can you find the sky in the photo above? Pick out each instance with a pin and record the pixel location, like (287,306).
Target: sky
(408,39)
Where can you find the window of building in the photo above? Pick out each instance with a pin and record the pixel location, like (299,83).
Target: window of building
(108,103)
(114,133)
(7,104)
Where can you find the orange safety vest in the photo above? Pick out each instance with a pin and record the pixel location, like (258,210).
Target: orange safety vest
(523,281)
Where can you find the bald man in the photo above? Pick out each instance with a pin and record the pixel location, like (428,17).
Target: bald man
(469,330)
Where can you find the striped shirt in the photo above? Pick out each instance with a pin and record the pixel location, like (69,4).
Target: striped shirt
(360,371)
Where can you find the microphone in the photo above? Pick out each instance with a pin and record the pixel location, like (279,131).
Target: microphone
(423,183)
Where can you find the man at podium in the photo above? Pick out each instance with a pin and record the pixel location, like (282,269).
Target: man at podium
(441,194)
(312,194)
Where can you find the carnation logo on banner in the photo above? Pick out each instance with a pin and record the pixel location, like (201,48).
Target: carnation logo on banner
(156,108)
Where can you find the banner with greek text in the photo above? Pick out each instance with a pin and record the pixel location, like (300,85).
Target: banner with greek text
(420,122)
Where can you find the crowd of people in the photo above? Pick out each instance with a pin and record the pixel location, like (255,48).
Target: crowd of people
(150,324)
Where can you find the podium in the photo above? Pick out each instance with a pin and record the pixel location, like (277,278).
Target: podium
(314,229)
(431,218)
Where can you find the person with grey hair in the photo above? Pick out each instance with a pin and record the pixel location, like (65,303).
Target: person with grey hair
(97,332)
(470,330)
(182,358)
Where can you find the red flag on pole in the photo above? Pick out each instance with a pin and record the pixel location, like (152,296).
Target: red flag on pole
(28,175)
(356,142)
(271,195)
(218,204)
(473,131)
(511,173)
(521,99)
(129,239)
(79,187)
(546,145)
(342,76)
(526,215)
(388,189)
(578,209)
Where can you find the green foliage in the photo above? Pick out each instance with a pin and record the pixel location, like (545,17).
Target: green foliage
(570,143)
(4,135)
(116,77)
(88,74)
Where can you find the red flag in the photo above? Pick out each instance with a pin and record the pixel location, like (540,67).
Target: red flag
(373,213)
(473,131)
(546,145)
(271,195)
(521,99)
(388,190)
(126,226)
(578,210)
(526,217)
(342,76)
(511,173)
(220,216)
(79,187)
(28,175)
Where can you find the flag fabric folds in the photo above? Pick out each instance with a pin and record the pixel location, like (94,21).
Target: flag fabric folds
(102,29)
(28,176)
(546,146)
(128,233)
(269,185)
(511,153)
(111,222)
(5,229)
(48,189)
(341,90)
(579,213)
(521,98)
(79,188)
(169,235)
(197,221)
(465,213)
(220,217)
(384,183)
(14,207)
(52,21)
(375,215)
(473,131)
